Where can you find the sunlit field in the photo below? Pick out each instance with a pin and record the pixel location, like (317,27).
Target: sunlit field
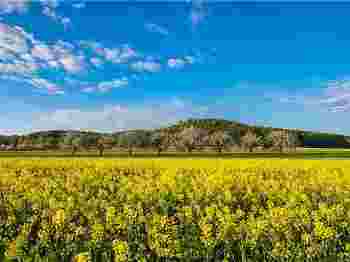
(300,153)
(174,209)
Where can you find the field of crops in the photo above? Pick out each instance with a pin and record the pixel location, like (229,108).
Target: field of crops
(174,210)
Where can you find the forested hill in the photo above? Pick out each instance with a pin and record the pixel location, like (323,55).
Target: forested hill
(307,138)
(56,137)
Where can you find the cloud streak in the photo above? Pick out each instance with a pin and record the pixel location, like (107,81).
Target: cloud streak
(154,28)
(198,12)
(112,118)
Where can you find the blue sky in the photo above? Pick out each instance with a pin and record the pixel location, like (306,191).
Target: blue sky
(115,65)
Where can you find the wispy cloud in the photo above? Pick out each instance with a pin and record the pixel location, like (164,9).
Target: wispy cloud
(52,88)
(13,6)
(22,55)
(337,96)
(154,28)
(334,96)
(146,66)
(79,5)
(116,83)
(198,12)
(111,118)
(49,9)
(117,55)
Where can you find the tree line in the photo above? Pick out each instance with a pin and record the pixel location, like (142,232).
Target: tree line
(185,139)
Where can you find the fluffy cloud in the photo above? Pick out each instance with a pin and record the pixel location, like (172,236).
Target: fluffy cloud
(42,52)
(13,39)
(154,28)
(13,6)
(21,55)
(146,66)
(116,55)
(72,64)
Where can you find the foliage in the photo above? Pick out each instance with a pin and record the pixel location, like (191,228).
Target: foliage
(249,141)
(174,210)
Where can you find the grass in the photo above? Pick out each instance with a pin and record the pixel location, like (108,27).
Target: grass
(307,153)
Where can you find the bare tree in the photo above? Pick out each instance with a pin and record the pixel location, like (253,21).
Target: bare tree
(76,144)
(192,137)
(249,140)
(293,140)
(280,139)
(220,139)
(161,141)
(130,140)
(103,143)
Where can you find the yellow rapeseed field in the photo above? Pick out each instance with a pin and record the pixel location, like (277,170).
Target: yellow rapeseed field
(86,209)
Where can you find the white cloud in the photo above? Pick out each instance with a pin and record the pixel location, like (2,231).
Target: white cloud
(198,12)
(18,68)
(334,97)
(176,63)
(116,55)
(13,39)
(146,66)
(42,52)
(41,83)
(154,28)
(13,6)
(79,5)
(116,83)
(50,3)
(180,63)
(111,118)
(97,62)
(49,9)
(190,59)
(72,64)
(88,89)
(22,55)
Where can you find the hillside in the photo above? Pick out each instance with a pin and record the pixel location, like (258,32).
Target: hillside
(307,138)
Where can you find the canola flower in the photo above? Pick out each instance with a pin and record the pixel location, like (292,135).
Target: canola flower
(177,209)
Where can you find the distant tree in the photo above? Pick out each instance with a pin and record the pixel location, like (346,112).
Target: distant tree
(25,143)
(249,141)
(103,143)
(88,140)
(220,139)
(129,140)
(52,142)
(75,144)
(265,140)
(293,140)
(68,140)
(160,141)
(279,139)
(192,137)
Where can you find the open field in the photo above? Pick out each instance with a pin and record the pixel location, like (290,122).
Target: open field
(203,209)
(299,153)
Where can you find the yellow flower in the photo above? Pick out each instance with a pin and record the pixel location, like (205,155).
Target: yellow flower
(83,257)
(59,217)
(12,249)
(120,249)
